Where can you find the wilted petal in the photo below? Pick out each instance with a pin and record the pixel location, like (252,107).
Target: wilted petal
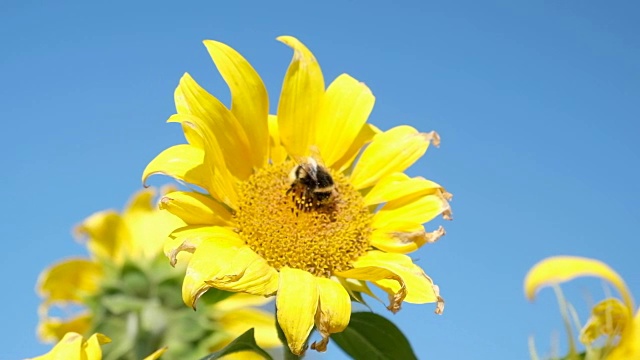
(334,311)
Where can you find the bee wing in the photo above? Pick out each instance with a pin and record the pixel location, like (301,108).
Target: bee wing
(315,154)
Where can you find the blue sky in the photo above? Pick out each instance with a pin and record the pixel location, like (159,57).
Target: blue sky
(536,104)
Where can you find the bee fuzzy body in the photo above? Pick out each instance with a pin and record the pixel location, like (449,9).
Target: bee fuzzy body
(311,184)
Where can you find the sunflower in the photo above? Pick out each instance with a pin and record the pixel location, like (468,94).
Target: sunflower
(127,291)
(282,207)
(611,318)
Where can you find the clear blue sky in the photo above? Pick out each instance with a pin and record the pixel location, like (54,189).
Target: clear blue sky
(537,104)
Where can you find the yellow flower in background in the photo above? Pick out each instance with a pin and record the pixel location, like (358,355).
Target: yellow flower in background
(126,289)
(287,210)
(73,347)
(610,317)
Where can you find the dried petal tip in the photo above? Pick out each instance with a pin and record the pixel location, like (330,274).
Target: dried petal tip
(320,346)
(447,215)
(434,236)
(433,137)
(440,302)
(395,300)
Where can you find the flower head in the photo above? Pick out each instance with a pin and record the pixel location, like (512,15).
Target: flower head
(126,290)
(287,210)
(611,317)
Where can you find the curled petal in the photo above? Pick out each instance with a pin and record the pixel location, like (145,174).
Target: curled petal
(558,269)
(225,263)
(296,303)
(398,276)
(195,208)
(334,311)
(300,99)
(375,275)
(188,238)
(629,345)
(389,152)
(181,162)
(609,317)
(404,242)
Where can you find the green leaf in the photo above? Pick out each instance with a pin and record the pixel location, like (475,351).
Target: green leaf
(371,336)
(244,342)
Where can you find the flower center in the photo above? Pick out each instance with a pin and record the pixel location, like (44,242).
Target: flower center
(321,240)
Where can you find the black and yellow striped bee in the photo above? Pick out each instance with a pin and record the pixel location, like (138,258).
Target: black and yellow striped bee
(311,184)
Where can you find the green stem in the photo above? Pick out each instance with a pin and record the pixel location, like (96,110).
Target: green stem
(567,323)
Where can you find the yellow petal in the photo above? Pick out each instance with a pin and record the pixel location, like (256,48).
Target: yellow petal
(156,354)
(405,275)
(345,109)
(225,263)
(397,185)
(366,134)
(558,269)
(192,99)
(247,272)
(188,238)
(147,226)
(222,183)
(277,152)
(249,99)
(403,242)
(195,208)
(181,162)
(391,151)
(300,99)
(70,280)
(241,301)
(237,322)
(296,303)
(609,317)
(397,214)
(375,274)
(91,348)
(106,235)
(334,311)
(53,329)
(629,345)
(72,347)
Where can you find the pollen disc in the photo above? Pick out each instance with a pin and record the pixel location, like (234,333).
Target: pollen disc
(322,240)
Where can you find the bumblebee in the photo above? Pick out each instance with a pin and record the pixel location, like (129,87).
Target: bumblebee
(311,184)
